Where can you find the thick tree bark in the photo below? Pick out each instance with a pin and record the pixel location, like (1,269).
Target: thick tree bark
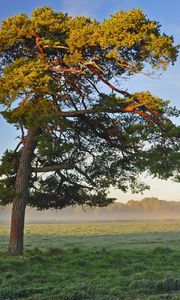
(22,193)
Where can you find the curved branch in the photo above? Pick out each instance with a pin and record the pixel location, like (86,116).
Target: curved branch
(17,147)
(103,110)
(114,88)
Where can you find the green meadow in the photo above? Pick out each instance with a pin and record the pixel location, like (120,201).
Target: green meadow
(93,261)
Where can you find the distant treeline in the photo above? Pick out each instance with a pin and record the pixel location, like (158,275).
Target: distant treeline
(146,204)
(147,208)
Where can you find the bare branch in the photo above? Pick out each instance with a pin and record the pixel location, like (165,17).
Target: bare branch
(67,70)
(51,168)
(107,110)
(55,47)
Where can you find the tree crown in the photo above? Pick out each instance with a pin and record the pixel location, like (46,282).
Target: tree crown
(52,70)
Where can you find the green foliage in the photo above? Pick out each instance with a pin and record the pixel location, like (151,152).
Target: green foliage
(8,168)
(24,74)
(52,67)
(54,193)
(130,34)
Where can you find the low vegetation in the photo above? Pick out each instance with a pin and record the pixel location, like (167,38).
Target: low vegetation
(95,261)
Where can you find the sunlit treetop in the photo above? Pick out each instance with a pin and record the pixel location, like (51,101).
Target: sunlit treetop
(38,52)
(126,34)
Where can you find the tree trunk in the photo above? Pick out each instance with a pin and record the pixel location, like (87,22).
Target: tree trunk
(22,193)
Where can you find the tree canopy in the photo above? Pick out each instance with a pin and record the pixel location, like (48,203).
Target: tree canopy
(61,76)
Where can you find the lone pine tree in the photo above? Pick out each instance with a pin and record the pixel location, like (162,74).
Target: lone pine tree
(81,133)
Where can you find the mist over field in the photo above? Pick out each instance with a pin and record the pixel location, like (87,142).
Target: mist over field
(146,209)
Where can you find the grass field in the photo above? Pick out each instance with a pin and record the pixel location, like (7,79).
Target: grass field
(94,261)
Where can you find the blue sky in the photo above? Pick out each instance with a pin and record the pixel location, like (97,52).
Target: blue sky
(167,87)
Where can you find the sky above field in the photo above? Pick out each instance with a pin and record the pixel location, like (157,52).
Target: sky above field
(166,87)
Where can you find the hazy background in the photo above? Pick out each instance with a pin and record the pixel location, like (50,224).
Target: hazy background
(145,209)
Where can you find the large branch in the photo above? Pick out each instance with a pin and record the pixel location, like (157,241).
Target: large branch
(63,167)
(51,168)
(105,110)
(92,68)
(68,70)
